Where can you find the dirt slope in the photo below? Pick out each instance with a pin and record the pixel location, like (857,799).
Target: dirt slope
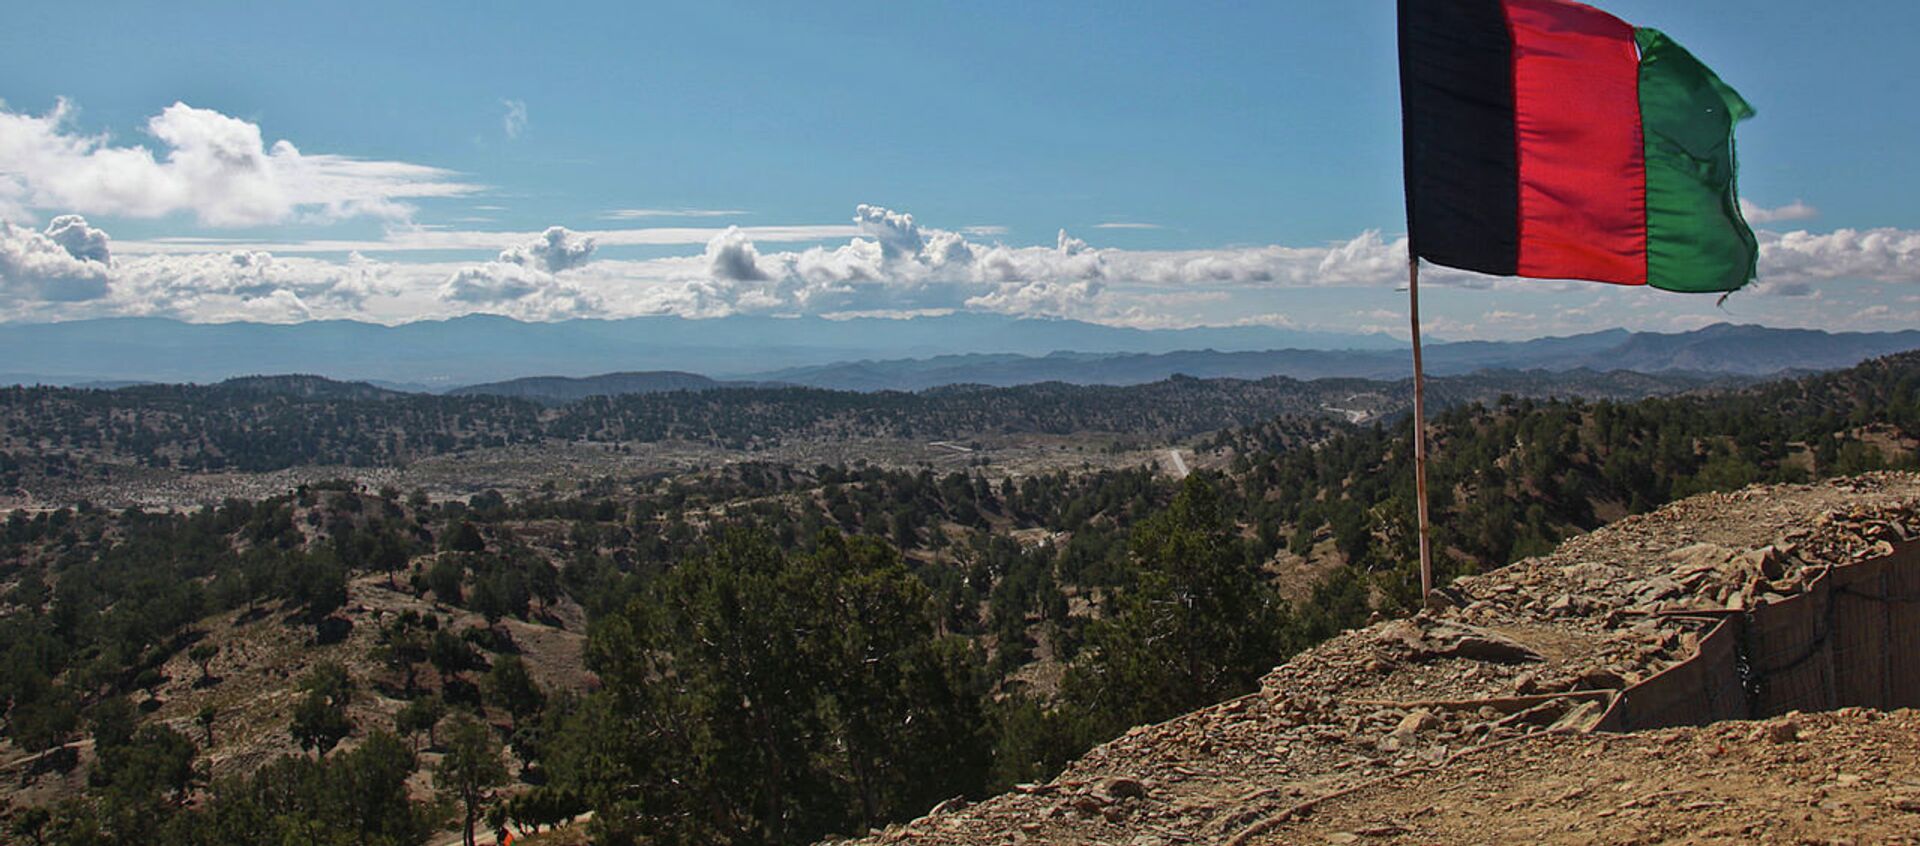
(1403,697)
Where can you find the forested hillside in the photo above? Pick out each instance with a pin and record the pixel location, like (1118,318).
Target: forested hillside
(1510,478)
(779,653)
(269,423)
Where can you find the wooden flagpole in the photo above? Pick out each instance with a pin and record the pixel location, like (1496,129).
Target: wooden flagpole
(1419,425)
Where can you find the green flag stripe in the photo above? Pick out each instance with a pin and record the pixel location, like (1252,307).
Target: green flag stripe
(1696,239)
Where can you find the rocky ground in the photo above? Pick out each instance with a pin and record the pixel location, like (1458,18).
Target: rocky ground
(1481,682)
(1851,776)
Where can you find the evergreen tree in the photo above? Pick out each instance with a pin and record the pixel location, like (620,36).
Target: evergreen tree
(320,717)
(1199,624)
(469,771)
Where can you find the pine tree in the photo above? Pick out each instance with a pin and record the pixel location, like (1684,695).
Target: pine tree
(470,770)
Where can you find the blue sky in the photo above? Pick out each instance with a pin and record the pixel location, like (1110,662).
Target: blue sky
(1235,145)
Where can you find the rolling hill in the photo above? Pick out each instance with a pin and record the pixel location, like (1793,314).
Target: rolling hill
(562,389)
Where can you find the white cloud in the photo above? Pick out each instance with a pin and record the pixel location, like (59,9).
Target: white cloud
(514,121)
(557,249)
(1045,298)
(1796,210)
(69,262)
(416,239)
(81,241)
(247,285)
(902,265)
(731,257)
(984,230)
(215,167)
(894,264)
(524,281)
(1804,258)
(493,282)
(1122,224)
(635,214)
(889,263)
(518,290)
(898,236)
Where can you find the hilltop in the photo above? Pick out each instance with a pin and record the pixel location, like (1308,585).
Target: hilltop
(1348,722)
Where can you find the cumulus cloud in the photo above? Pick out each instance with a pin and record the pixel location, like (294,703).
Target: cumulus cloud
(731,257)
(518,290)
(525,280)
(216,167)
(69,262)
(1042,299)
(1796,210)
(557,249)
(81,241)
(248,285)
(898,236)
(898,265)
(493,282)
(1877,255)
(889,264)
(71,266)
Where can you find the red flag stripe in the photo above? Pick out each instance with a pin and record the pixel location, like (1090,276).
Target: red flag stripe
(1582,159)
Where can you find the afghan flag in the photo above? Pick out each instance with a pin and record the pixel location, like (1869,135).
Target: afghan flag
(1549,139)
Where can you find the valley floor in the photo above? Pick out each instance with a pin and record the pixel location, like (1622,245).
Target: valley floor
(517,471)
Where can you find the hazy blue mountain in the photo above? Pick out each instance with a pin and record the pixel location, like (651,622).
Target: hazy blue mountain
(1722,349)
(479,348)
(859,354)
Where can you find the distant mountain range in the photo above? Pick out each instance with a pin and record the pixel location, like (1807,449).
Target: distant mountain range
(1722,349)
(555,362)
(443,354)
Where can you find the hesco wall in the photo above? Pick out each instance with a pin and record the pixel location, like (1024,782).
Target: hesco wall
(1851,638)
